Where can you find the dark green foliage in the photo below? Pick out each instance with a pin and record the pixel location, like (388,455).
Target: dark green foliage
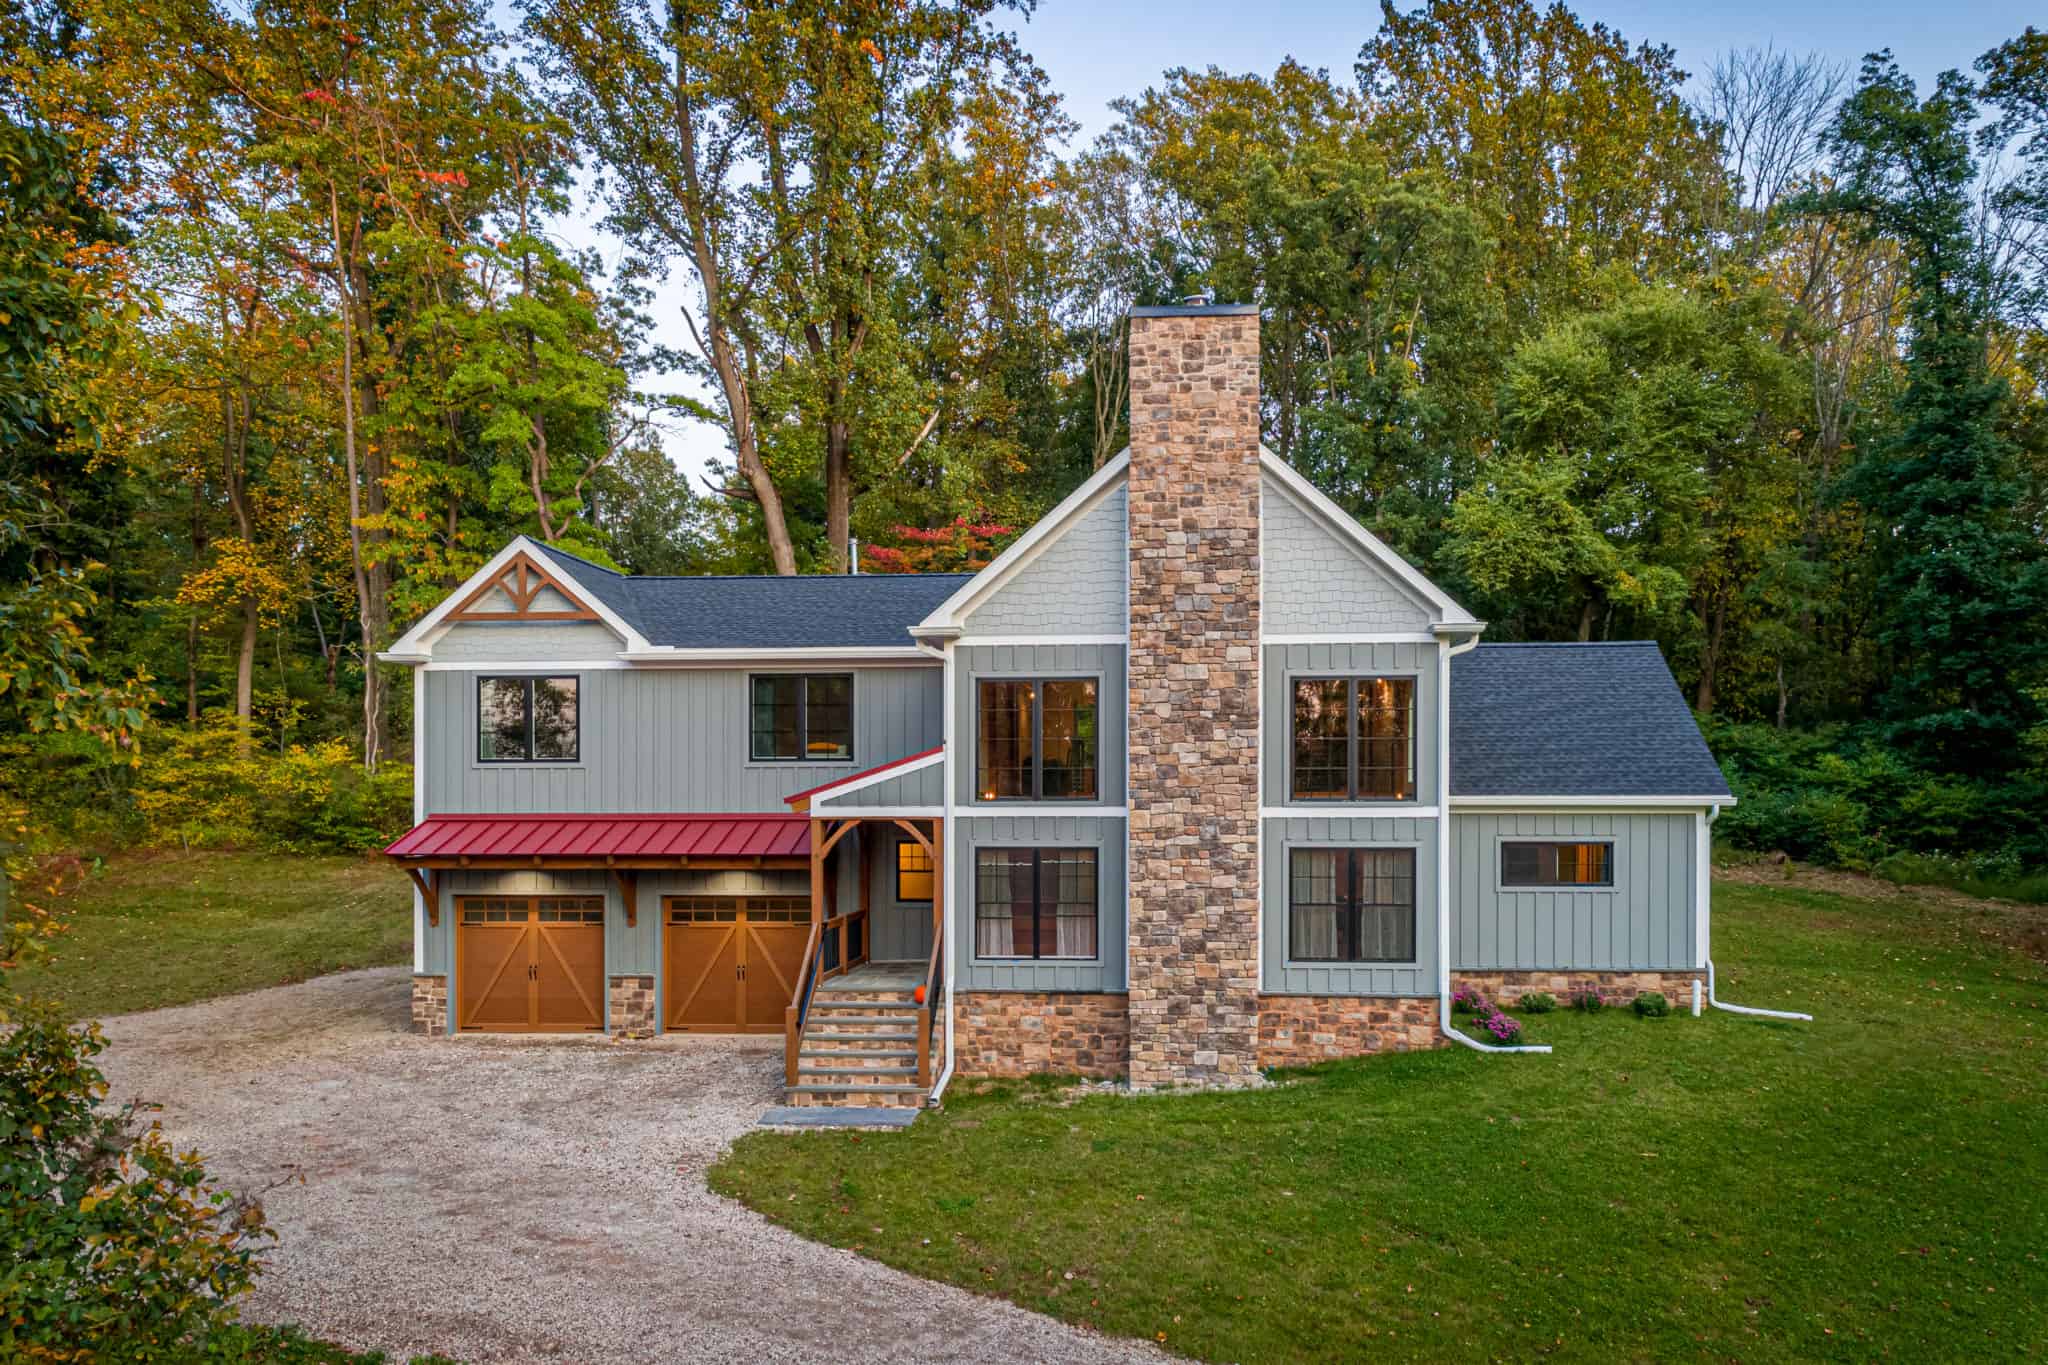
(114,1246)
(1652,1005)
(1843,797)
(1963,581)
(1537,1002)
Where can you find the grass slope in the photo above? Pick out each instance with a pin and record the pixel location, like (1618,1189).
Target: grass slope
(166,929)
(1874,1184)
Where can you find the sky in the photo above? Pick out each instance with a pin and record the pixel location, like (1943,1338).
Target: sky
(1096,51)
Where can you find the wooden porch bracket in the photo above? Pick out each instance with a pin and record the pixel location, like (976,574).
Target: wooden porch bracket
(629,894)
(424,880)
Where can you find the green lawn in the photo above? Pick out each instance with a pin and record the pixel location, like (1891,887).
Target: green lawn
(1874,1184)
(153,929)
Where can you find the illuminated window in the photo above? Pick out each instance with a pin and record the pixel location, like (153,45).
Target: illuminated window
(913,872)
(1556,864)
(1354,739)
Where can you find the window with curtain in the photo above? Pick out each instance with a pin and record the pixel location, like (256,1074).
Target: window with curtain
(1351,905)
(1035,902)
(1354,739)
(1036,739)
(801,717)
(526,720)
(913,872)
(1540,863)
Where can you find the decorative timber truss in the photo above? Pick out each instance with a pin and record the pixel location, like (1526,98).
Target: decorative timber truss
(534,594)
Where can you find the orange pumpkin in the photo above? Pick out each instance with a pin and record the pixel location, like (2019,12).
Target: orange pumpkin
(918,995)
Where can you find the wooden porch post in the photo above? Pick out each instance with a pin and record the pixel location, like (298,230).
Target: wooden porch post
(867,891)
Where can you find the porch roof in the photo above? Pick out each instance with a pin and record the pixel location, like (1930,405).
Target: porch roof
(864,776)
(758,835)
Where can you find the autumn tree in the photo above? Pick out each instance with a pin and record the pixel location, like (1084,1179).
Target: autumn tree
(795,161)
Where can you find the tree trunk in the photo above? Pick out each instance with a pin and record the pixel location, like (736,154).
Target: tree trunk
(838,491)
(1586,615)
(245,672)
(1710,657)
(370,594)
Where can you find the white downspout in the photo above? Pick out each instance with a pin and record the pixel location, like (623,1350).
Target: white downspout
(946,840)
(1445,651)
(1706,939)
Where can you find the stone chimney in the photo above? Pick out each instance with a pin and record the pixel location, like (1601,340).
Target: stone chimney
(1194,708)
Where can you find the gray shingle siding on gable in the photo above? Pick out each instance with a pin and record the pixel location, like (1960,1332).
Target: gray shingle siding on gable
(1574,720)
(526,641)
(1316,584)
(922,787)
(768,611)
(1074,587)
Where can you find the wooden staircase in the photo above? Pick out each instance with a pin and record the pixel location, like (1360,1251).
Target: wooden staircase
(861,1046)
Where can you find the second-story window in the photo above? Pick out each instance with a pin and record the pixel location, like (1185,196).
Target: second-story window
(1036,739)
(1354,739)
(526,720)
(802,717)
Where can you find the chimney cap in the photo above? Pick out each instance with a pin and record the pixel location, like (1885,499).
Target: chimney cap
(1197,310)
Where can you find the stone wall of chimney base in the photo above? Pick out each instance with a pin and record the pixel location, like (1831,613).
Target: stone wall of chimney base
(1193,509)
(1025,1033)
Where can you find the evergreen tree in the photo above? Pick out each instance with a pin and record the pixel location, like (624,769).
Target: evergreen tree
(1963,583)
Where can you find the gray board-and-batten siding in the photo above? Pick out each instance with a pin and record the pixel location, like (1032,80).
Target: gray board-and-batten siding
(662,739)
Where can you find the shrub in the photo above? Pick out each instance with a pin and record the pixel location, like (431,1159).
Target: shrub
(1586,1000)
(1498,1028)
(1652,1005)
(1537,1002)
(117,1247)
(1468,1000)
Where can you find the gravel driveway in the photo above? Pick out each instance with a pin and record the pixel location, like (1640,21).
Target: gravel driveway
(506,1199)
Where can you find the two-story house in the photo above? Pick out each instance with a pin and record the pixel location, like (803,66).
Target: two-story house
(1197,778)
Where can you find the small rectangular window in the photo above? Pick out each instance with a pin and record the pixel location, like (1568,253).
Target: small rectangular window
(1036,740)
(1541,863)
(1035,902)
(913,872)
(1354,739)
(527,720)
(1351,905)
(800,717)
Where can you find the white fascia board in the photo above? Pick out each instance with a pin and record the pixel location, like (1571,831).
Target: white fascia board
(1371,546)
(417,644)
(1388,637)
(1542,803)
(870,779)
(951,613)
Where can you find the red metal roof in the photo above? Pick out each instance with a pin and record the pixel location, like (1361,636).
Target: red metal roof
(768,835)
(875,771)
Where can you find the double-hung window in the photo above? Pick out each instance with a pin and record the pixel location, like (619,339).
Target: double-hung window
(1354,739)
(1035,902)
(526,720)
(801,717)
(1035,739)
(1351,905)
(1547,863)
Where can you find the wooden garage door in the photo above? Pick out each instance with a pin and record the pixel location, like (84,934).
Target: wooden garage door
(529,964)
(730,962)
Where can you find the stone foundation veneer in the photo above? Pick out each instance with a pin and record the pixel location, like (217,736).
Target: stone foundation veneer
(1015,1033)
(632,1004)
(1615,988)
(1193,500)
(1295,1030)
(430,1004)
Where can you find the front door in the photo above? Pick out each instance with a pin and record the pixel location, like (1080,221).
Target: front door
(529,964)
(730,963)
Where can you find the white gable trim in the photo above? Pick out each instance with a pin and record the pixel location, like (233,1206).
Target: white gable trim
(417,644)
(952,613)
(873,779)
(1371,547)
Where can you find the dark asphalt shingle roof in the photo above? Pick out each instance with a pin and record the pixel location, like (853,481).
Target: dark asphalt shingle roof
(768,611)
(1574,720)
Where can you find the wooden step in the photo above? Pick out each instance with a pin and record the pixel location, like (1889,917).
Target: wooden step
(909,1073)
(823,1036)
(869,1006)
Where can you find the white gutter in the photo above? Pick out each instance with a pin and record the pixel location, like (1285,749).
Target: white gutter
(945,872)
(1445,651)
